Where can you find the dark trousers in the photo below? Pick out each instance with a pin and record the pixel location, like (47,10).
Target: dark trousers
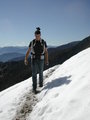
(37,67)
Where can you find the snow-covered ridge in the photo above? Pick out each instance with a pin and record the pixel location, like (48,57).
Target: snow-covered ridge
(65,95)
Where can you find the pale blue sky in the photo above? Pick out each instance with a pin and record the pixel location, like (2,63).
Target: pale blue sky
(61,21)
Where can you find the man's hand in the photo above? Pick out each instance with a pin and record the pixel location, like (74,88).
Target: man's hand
(25,62)
(46,57)
(26,57)
(46,63)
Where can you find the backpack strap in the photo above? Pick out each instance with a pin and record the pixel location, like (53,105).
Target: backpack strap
(32,45)
(43,44)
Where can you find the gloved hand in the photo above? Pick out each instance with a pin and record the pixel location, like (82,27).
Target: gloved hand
(25,62)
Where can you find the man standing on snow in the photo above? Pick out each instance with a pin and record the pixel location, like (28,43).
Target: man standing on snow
(38,49)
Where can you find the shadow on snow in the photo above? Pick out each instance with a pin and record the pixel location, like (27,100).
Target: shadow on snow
(58,82)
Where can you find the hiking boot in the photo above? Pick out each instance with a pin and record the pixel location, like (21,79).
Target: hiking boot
(36,91)
(41,85)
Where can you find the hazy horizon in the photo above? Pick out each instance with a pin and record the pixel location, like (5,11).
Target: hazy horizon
(48,45)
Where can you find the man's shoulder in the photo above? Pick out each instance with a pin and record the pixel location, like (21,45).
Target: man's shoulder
(43,41)
(32,41)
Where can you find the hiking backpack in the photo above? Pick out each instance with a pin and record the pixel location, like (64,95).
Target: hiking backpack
(37,49)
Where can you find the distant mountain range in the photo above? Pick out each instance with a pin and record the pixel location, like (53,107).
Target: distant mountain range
(11,53)
(14,53)
(12,49)
(59,54)
(63,47)
(18,53)
(10,56)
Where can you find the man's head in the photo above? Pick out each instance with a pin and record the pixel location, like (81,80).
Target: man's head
(37,34)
